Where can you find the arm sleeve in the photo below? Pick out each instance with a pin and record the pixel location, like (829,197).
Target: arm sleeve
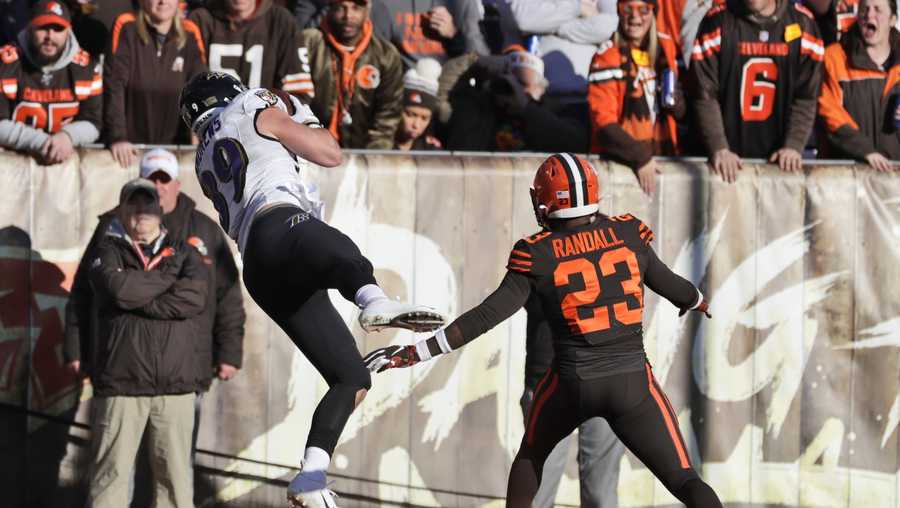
(455,45)
(18,136)
(467,17)
(509,297)
(127,289)
(841,130)
(668,284)
(228,327)
(705,78)
(592,30)
(85,128)
(389,98)
(543,16)
(185,298)
(802,111)
(116,70)
(538,342)
(451,73)
(78,308)
(83,132)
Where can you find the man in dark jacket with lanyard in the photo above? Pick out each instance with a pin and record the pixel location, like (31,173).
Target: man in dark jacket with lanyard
(221,324)
(222,321)
(148,288)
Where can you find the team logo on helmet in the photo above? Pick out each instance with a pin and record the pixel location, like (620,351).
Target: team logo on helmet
(565,186)
(205,94)
(55,8)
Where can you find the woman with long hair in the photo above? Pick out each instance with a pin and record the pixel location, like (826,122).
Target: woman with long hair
(153,52)
(633,93)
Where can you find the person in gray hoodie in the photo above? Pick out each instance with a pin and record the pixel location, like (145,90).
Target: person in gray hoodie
(569,32)
(51,100)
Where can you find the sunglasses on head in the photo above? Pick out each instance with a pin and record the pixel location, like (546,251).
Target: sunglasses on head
(632,8)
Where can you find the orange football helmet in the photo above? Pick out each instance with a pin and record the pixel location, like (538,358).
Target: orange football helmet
(565,186)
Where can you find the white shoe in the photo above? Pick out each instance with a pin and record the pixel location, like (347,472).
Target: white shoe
(310,490)
(386,313)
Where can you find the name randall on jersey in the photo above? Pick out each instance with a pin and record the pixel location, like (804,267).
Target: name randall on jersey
(585,241)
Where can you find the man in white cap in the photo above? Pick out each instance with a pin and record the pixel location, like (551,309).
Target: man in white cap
(221,322)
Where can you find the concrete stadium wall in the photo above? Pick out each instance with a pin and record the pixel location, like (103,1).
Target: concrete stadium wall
(788,396)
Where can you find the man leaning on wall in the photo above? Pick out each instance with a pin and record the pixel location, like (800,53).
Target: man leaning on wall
(50,99)
(859,101)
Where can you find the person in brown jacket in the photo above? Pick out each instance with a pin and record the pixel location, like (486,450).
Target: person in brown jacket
(149,286)
(357,77)
(859,100)
(255,41)
(153,53)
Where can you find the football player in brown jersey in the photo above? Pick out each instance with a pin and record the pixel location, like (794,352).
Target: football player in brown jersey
(588,271)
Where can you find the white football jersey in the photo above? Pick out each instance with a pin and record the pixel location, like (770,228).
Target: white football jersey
(241,170)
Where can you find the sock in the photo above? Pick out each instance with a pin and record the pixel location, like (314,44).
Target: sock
(368,294)
(316,459)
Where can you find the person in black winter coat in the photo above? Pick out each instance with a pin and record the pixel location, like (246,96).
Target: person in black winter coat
(221,324)
(148,288)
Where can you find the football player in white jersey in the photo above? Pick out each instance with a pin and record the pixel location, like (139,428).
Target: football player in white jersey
(253,144)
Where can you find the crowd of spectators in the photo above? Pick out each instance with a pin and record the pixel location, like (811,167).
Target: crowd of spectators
(627,79)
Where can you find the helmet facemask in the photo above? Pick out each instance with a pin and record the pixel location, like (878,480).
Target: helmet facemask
(540,211)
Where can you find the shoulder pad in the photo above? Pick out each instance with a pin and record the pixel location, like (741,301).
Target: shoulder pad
(645,233)
(9,54)
(191,28)
(715,10)
(121,21)
(259,98)
(643,230)
(605,46)
(537,237)
(607,55)
(82,58)
(521,257)
(312,35)
(803,9)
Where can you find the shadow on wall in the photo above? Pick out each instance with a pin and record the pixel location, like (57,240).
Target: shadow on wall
(560,67)
(33,379)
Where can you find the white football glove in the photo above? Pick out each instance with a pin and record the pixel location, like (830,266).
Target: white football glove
(303,114)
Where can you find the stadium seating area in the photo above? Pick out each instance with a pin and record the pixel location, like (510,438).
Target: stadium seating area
(499,75)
